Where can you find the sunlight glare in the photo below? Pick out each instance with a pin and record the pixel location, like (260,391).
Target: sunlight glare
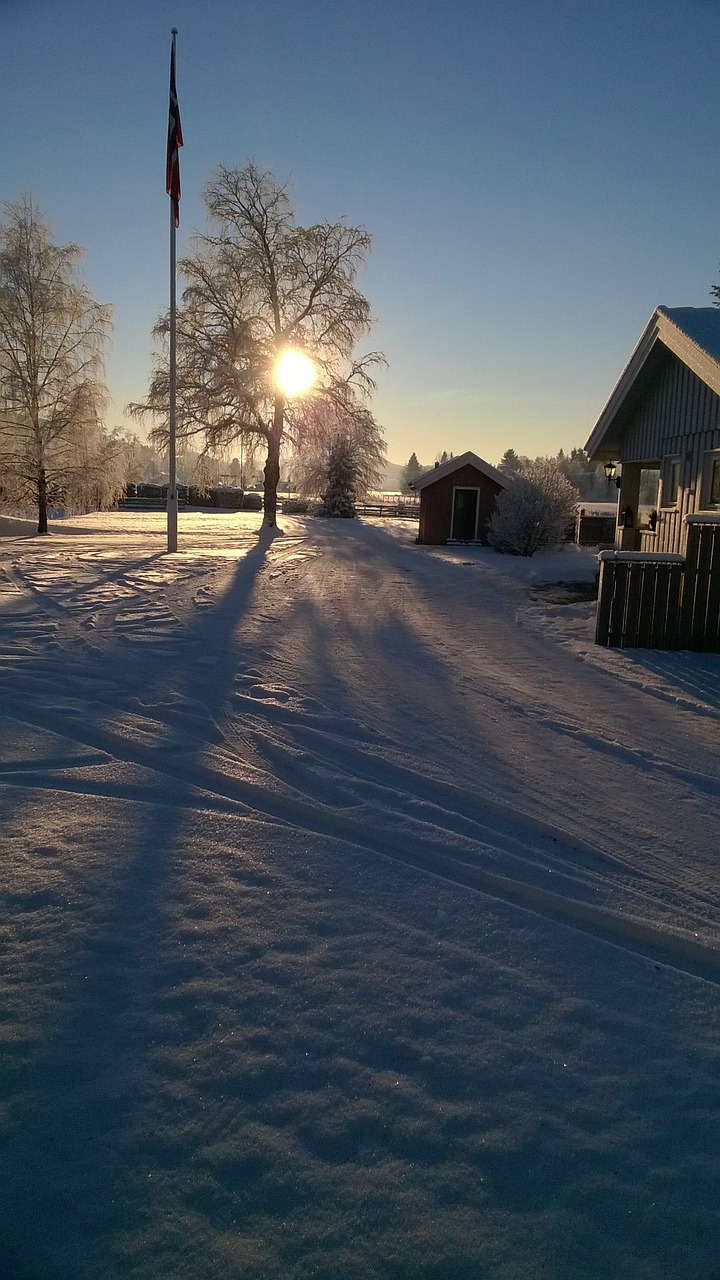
(294,372)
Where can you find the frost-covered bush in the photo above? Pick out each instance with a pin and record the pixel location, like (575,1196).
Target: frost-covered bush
(534,511)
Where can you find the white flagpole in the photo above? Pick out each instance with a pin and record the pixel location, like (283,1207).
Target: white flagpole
(172,498)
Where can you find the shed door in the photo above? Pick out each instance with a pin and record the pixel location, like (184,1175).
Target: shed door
(464,517)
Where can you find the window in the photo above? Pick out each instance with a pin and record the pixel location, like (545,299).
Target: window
(671,481)
(711,480)
(649,485)
(715,483)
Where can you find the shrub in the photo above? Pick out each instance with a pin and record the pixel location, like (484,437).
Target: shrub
(252,502)
(534,511)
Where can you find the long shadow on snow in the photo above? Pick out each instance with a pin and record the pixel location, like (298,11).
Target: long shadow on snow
(79,1072)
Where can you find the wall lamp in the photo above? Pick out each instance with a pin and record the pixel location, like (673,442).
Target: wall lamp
(609,468)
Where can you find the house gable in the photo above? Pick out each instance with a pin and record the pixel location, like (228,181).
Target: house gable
(675,339)
(663,416)
(444,469)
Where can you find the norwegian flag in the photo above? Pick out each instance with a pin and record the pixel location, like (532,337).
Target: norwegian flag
(174,142)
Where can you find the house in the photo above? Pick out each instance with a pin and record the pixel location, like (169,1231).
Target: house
(662,424)
(457,498)
(660,587)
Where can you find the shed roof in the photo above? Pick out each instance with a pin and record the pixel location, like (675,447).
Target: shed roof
(454,464)
(690,333)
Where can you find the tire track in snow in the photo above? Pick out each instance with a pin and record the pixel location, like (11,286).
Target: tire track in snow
(534,845)
(424,854)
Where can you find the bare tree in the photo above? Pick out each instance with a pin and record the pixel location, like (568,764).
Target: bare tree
(257,283)
(52,337)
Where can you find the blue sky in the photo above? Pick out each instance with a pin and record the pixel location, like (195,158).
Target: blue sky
(536,177)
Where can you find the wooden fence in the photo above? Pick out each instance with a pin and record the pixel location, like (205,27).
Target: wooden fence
(401,510)
(148,504)
(663,601)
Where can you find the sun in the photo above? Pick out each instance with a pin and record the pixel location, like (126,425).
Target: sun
(294,372)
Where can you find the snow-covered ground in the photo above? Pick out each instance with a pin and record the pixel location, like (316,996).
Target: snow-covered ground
(360,917)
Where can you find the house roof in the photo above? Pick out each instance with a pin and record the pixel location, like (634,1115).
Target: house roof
(454,464)
(690,333)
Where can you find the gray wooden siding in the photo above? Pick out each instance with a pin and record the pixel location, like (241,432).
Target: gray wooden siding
(679,416)
(678,404)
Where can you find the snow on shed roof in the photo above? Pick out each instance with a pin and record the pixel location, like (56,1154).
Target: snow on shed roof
(690,333)
(454,464)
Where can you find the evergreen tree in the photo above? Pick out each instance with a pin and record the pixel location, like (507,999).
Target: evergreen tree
(411,471)
(341,489)
(511,463)
(587,477)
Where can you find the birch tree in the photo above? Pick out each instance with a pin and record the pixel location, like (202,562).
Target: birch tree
(257,284)
(52,337)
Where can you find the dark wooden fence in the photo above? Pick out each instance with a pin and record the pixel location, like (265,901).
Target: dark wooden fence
(401,510)
(148,504)
(594,531)
(638,600)
(663,601)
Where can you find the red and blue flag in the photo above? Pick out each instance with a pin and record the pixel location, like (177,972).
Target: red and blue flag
(174,142)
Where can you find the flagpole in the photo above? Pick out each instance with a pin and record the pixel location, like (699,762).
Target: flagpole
(172,498)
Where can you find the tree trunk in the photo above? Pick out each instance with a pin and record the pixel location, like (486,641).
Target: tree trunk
(272,465)
(42,501)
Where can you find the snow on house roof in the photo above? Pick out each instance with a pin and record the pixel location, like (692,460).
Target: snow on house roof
(454,464)
(690,333)
(700,324)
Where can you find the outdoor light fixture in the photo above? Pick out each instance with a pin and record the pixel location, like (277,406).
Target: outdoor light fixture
(609,468)
(294,372)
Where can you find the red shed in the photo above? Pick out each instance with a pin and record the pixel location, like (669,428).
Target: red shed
(457,499)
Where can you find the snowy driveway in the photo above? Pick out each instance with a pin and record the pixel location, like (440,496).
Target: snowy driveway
(360,917)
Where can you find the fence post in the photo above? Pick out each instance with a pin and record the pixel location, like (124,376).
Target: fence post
(672,607)
(712,636)
(700,610)
(604,605)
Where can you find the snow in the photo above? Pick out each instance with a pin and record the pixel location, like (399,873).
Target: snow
(642,557)
(360,916)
